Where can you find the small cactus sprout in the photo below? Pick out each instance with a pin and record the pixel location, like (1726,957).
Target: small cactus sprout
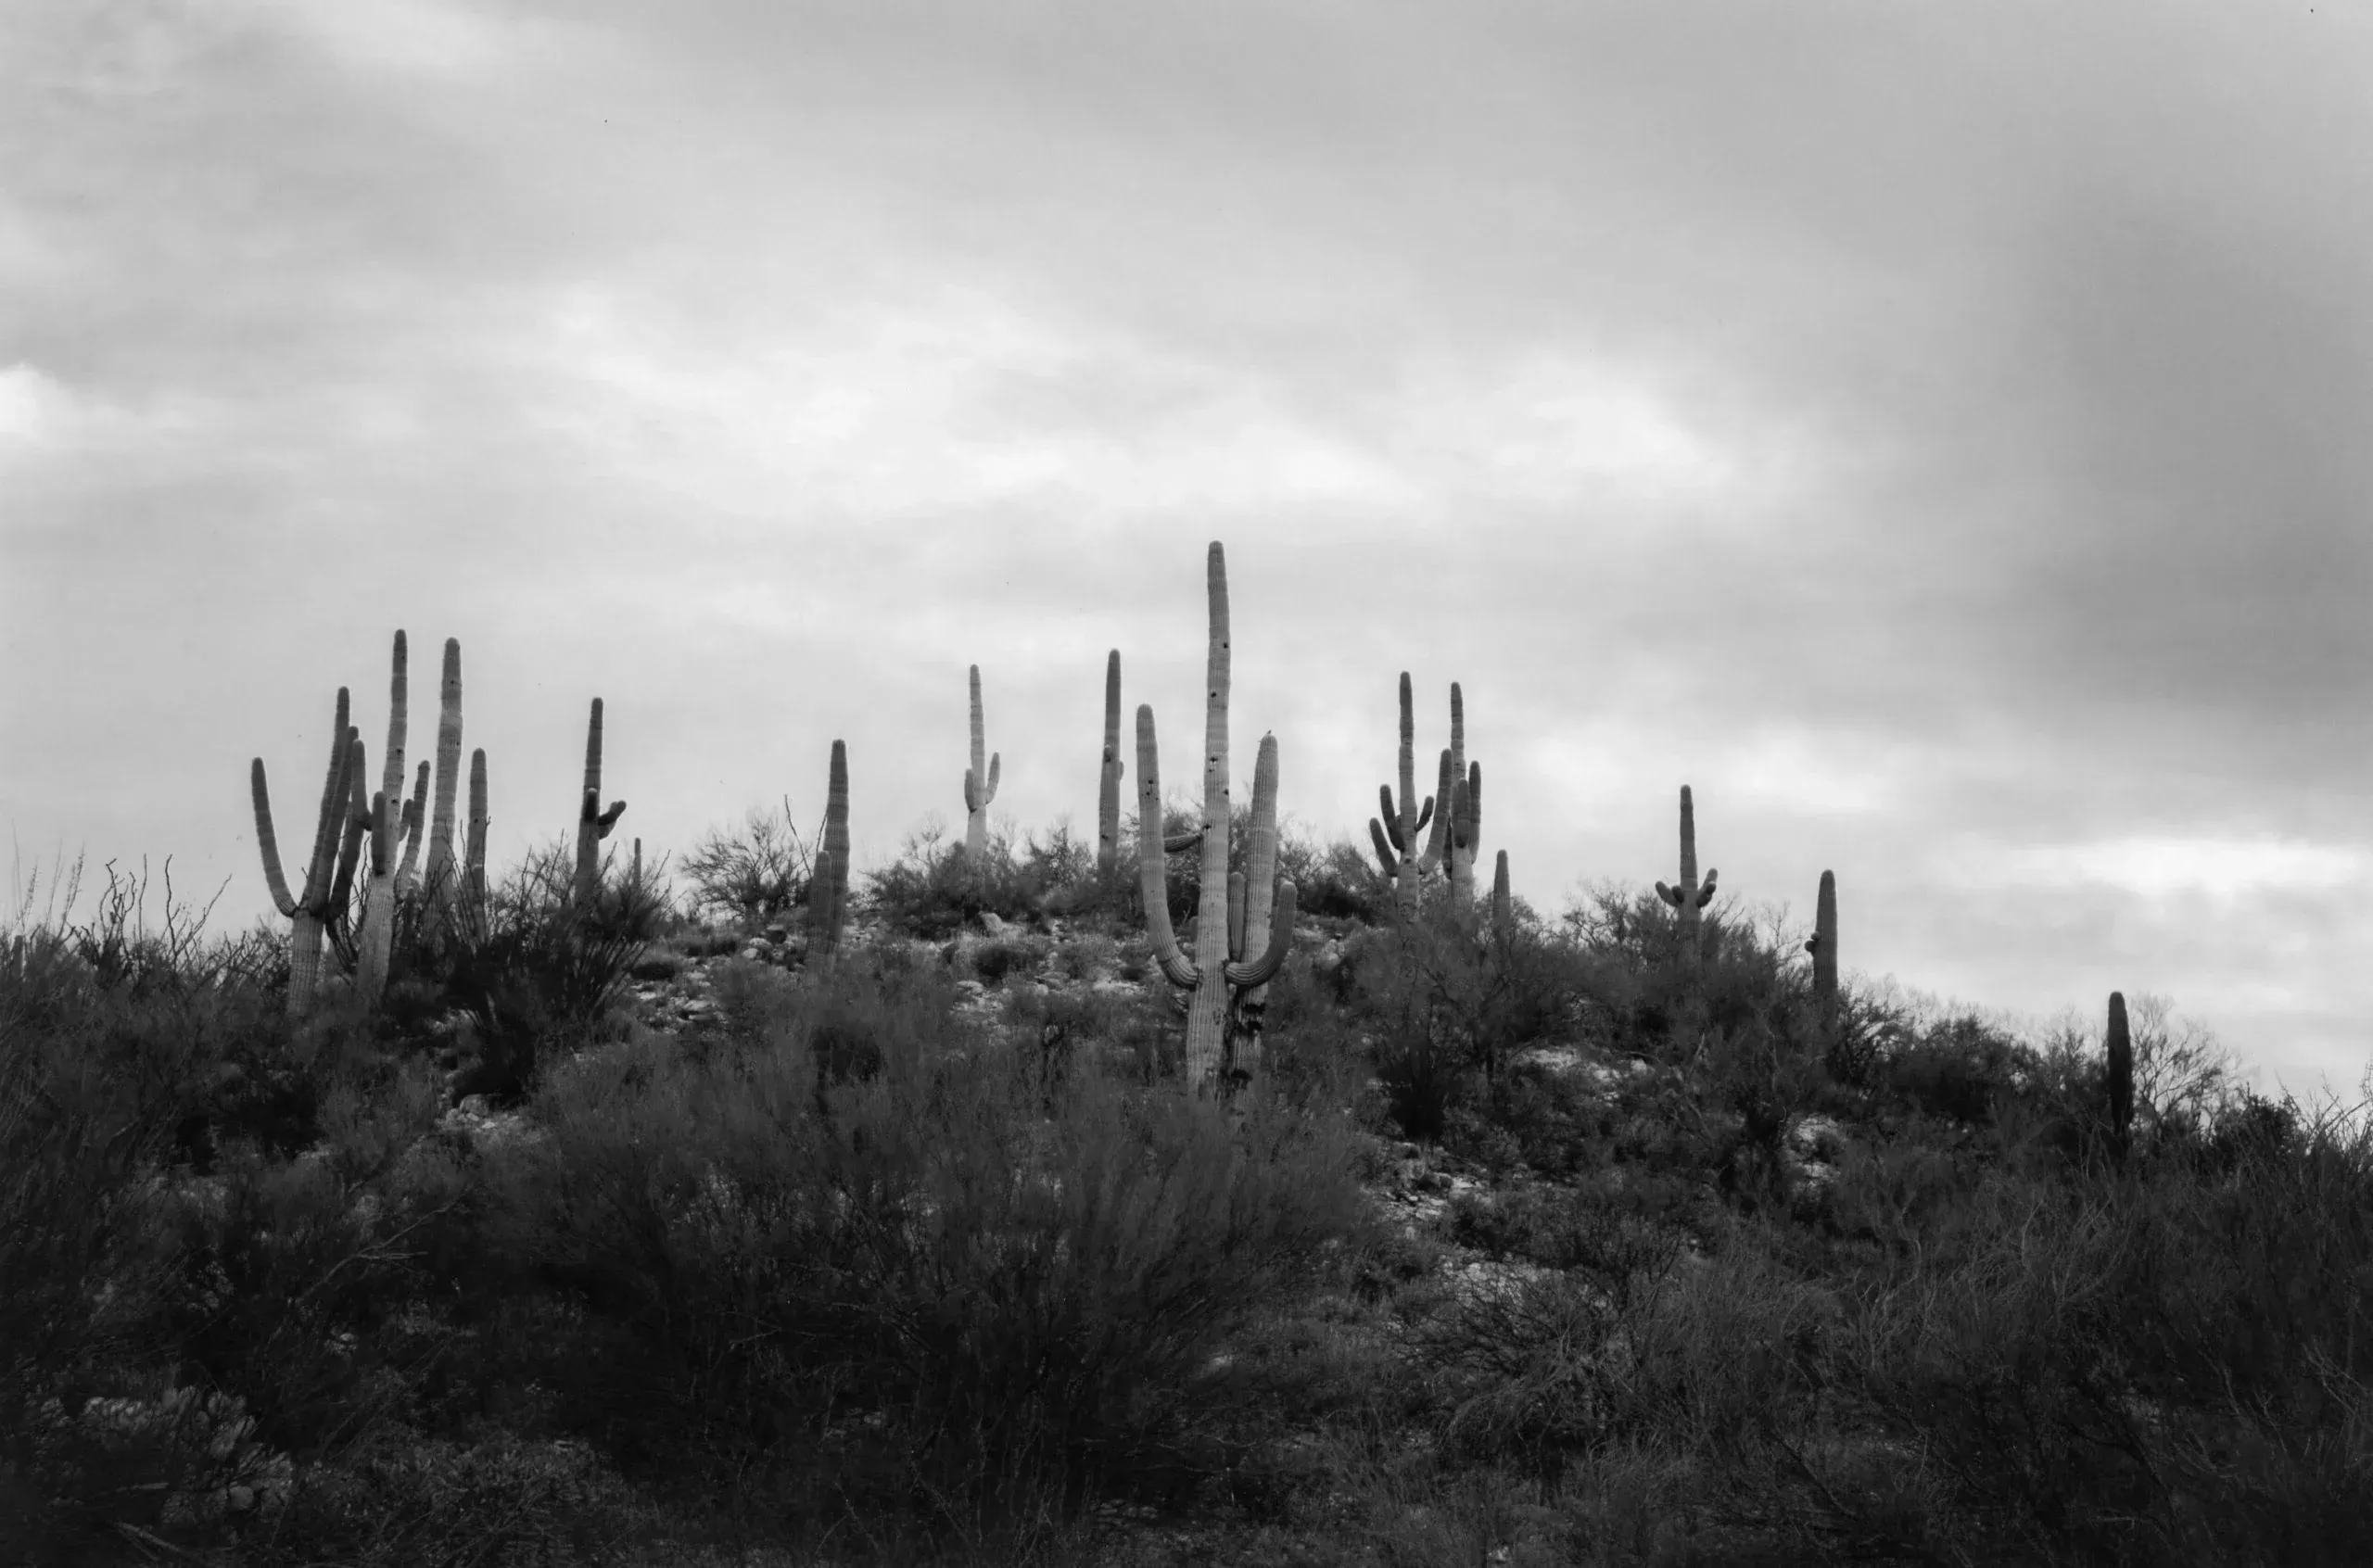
(2121,1079)
(442,874)
(1215,977)
(593,824)
(980,783)
(1822,945)
(1395,833)
(1690,895)
(1108,791)
(310,909)
(828,882)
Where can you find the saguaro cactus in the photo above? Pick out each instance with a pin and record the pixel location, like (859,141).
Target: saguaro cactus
(1107,792)
(310,909)
(980,783)
(443,873)
(470,915)
(1465,802)
(593,824)
(828,883)
(1219,973)
(1503,907)
(2121,1079)
(1395,835)
(1689,896)
(1822,945)
(377,936)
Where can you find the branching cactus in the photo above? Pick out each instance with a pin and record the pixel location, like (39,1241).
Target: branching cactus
(1220,971)
(443,871)
(1690,896)
(310,909)
(593,824)
(2121,1079)
(1465,800)
(1395,835)
(828,883)
(377,935)
(1822,945)
(1108,794)
(980,783)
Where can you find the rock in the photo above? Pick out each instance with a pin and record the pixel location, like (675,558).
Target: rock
(993,924)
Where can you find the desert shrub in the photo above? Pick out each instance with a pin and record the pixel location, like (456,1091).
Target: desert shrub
(1001,957)
(935,890)
(1337,881)
(1956,1070)
(757,874)
(1019,1279)
(546,978)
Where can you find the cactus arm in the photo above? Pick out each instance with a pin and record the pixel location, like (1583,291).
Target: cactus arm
(266,842)
(1175,842)
(1706,893)
(415,813)
(1261,851)
(1387,824)
(1261,970)
(326,825)
(1153,867)
(1425,814)
(355,823)
(1438,841)
(1383,848)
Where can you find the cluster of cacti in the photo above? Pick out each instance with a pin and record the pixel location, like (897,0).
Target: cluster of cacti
(1395,835)
(980,783)
(827,884)
(2121,1079)
(1689,895)
(311,909)
(593,824)
(1240,945)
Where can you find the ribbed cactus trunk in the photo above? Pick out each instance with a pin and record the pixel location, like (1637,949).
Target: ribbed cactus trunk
(2121,1080)
(1395,833)
(828,886)
(473,912)
(309,910)
(1822,945)
(593,824)
(1465,800)
(980,783)
(442,876)
(1107,792)
(1690,895)
(377,937)
(1209,976)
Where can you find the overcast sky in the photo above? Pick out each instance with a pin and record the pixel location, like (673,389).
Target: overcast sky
(1936,433)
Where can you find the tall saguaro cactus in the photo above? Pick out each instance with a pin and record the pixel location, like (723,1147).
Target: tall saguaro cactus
(1689,896)
(378,933)
(1108,791)
(1219,974)
(1395,835)
(443,873)
(1503,906)
(311,909)
(1466,804)
(980,783)
(2121,1079)
(1822,945)
(828,883)
(471,909)
(593,824)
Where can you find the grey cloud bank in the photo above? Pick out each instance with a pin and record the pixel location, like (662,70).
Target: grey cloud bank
(1934,434)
